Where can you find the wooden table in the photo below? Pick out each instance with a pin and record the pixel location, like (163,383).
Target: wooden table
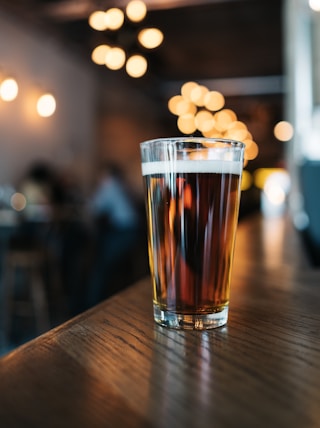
(112,367)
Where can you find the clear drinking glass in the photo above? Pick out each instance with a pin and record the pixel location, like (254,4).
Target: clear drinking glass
(192,192)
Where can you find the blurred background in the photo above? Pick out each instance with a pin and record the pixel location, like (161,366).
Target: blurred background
(82,83)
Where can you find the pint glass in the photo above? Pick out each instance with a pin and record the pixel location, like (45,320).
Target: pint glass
(192,191)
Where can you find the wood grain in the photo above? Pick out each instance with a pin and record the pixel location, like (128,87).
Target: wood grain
(113,367)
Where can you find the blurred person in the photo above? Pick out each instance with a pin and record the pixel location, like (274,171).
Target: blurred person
(116,223)
(52,218)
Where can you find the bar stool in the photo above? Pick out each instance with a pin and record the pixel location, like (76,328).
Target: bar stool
(24,290)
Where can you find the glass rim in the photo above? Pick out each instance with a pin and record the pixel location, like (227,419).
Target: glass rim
(173,140)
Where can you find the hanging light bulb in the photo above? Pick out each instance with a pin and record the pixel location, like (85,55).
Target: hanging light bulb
(186,89)
(97,20)
(114,18)
(136,10)
(136,66)
(214,100)
(115,58)
(197,95)
(99,53)
(150,38)
(186,123)
(9,89)
(46,105)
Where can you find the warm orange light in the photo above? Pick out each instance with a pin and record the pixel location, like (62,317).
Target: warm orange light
(187,197)
(237,130)
(224,118)
(9,89)
(186,123)
(115,58)
(46,105)
(283,131)
(18,201)
(246,181)
(173,104)
(97,20)
(136,10)
(98,55)
(199,109)
(178,105)
(150,38)
(204,121)
(252,151)
(136,66)
(187,88)
(212,133)
(197,95)
(214,100)
(114,18)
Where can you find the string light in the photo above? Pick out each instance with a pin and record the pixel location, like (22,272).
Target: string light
(199,109)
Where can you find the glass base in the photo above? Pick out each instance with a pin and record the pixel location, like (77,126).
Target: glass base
(190,322)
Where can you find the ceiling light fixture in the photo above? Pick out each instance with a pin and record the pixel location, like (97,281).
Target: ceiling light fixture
(116,56)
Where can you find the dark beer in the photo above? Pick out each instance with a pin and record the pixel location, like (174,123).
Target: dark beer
(192,217)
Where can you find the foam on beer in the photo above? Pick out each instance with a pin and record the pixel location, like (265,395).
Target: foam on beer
(192,166)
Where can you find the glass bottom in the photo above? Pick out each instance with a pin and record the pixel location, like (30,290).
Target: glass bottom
(190,322)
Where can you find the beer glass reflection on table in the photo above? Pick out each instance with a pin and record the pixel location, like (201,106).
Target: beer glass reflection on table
(192,192)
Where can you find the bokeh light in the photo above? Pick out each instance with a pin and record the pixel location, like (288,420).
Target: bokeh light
(18,201)
(283,131)
(9,89)
(97,20)
(114,18)
(115,58)
(136,66)
(136,10)
(199,109)
(214,100)
(315,5)
(246,181)
(46,105)
(150,38)
(99,53)
(186,123)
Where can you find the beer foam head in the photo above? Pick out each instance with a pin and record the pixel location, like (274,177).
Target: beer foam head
(192,166)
